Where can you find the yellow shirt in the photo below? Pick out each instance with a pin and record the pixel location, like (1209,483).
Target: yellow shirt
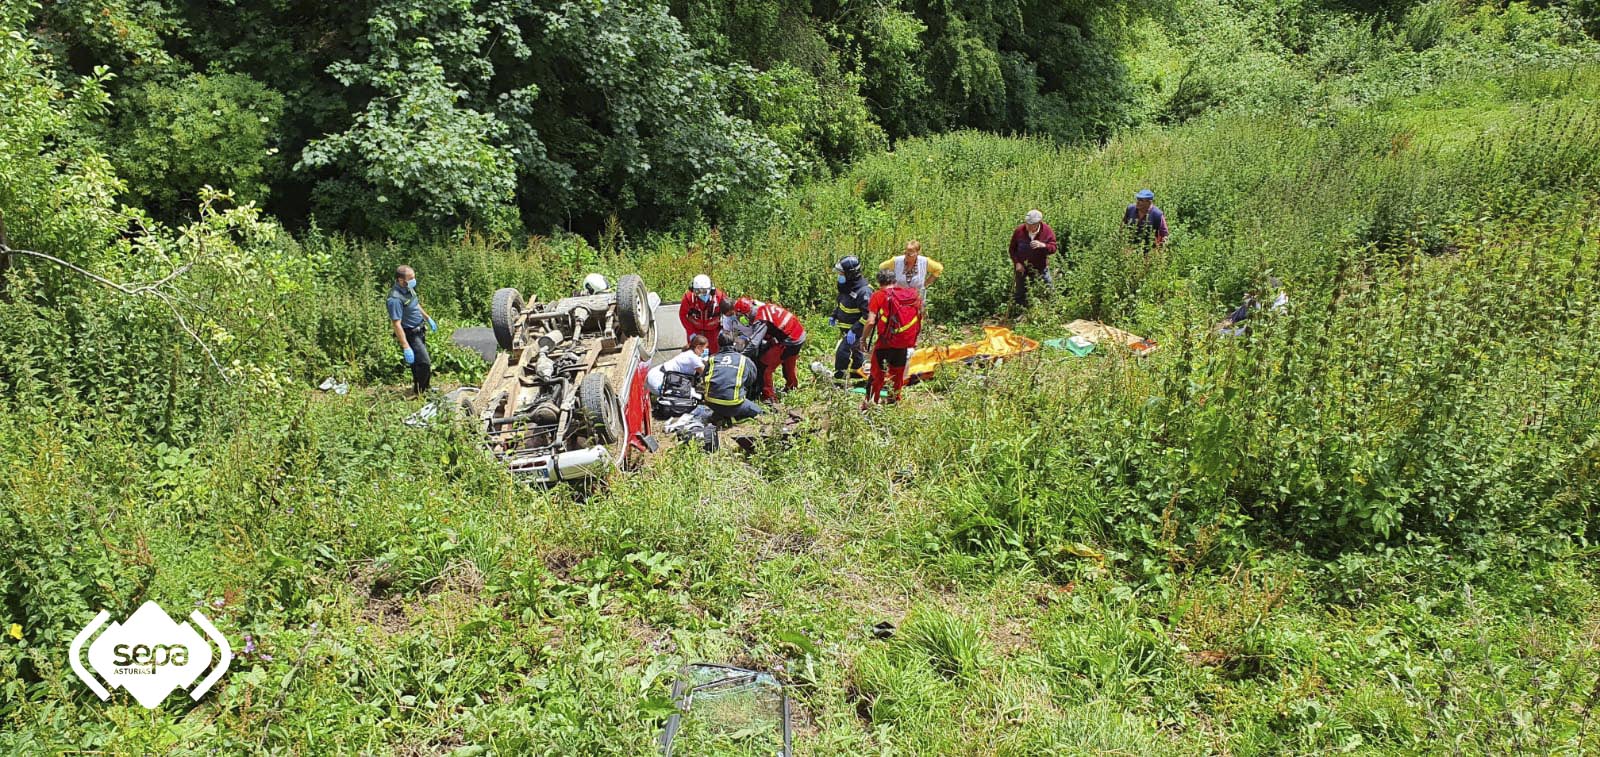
(908,278)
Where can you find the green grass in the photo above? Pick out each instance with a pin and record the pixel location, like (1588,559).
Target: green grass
(1367,527)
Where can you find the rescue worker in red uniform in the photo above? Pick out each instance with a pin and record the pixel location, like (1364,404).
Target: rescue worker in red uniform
(778,336)
(896,312)
(700,312)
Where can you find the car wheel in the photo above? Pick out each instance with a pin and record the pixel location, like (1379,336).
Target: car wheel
(633,306)
(600,408)
(504,313)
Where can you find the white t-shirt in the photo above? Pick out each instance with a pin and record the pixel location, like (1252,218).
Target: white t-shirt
(917,278)
(683,362)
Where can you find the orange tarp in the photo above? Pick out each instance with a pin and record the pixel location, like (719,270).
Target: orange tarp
(997,342)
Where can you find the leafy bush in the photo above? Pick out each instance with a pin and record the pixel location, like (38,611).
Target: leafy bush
(439,160)
(1425,24)
(216,130)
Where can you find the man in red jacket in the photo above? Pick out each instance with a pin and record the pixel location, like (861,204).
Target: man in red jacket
(896,312)
(1031,246)
(700,311)
(778,336)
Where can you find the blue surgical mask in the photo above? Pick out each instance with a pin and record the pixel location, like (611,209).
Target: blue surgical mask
(411,283)
(704,297)
(841,278)
(705,352)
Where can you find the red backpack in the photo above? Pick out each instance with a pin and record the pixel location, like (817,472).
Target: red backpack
(901,319)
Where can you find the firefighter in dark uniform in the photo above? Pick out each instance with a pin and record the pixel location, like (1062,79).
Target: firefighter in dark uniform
(849,308)
(731,380)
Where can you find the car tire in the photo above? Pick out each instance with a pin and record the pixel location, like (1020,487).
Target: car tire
(599,407)
(633,306)
(504,313)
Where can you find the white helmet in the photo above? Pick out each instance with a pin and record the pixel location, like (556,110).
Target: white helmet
(701,283)
(594,283)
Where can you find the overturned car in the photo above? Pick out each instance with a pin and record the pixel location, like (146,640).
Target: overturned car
(565,398)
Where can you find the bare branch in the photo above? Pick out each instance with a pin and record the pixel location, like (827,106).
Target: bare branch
(64,264)
(5,259)
(152,290)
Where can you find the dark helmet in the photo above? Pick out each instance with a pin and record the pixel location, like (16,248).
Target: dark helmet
(849,265)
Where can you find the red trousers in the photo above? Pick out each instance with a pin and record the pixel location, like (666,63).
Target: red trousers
(710,334)
(771,357)
(887,362)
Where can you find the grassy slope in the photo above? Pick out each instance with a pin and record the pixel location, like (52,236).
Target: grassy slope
(1076,562)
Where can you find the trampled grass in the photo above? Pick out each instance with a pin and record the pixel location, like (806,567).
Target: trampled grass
(1366,526)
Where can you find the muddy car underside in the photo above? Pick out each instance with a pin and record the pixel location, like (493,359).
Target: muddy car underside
(552,404)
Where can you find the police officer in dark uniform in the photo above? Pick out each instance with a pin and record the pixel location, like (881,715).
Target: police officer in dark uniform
(411,325)
(848,310)
(731,380)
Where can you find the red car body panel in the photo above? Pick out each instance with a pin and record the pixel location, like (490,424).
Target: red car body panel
(636,408)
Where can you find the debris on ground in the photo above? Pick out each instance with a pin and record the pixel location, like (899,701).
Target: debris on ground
(1079,346)
(330,384)
(777,425)
(456,400)
(695,427)
(1097,332)
(720,707)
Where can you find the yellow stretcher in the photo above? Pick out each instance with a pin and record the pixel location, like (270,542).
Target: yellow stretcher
(997,342)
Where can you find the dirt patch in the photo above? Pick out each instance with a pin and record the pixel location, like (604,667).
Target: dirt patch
(560,560)
(387,614)
(645,635)
(447,597)
(801,724)
(443,744)
(370,581)
(1010,637)
(873,602)
(786,543)
(1211,658)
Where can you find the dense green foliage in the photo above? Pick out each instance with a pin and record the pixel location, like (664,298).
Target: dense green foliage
(1369,525)
(409,118)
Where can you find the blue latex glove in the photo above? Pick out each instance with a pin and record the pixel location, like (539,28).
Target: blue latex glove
(432,326)
(833,323)
(411,356)
(850,338)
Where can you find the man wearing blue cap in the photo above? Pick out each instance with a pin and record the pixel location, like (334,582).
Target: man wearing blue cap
(1146,224)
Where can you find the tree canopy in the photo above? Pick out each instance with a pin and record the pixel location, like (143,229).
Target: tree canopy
(397,116)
